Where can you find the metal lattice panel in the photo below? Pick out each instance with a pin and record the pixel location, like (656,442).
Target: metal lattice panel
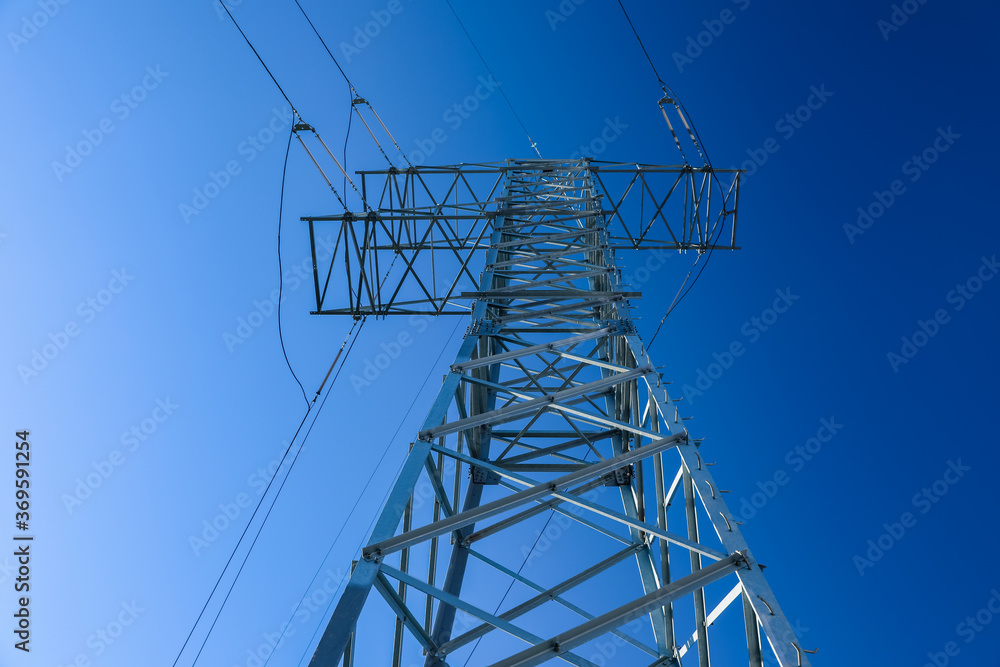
(438,221)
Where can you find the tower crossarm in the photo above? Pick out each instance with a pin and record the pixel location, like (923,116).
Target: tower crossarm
(438,222)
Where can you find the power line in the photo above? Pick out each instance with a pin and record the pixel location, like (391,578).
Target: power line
(352,90)
(499,87)
(358,499)
(672,97)
(679,297)
(669,96)
(643,46)
(347,135)
(281,278)
(295,111)
(266,69)
(287,473)
(309,405)
(233,554)
(274,501)
(270,508)
(356,98)
(323,42)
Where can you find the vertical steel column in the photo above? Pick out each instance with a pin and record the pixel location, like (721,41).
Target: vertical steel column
(432,557)
(661,516)
(753,633)
(404,566)
(349,650)
(699,595)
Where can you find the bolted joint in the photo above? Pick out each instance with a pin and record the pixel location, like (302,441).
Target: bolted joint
(485,476)
(619,477)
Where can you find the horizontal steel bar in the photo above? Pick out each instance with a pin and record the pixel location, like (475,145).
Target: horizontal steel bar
(473,610)
(569,605)
(536,294)
(648,603)
(514,500)
(511,412)
(570,497)
(593,165)
(529,350)
(544,596)
(528,513)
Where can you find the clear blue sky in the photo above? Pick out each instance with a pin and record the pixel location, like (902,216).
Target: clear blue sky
(123,303)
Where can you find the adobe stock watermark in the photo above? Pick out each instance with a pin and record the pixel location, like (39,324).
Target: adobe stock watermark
(248,149)
(923,502)
(696,44)
(914,168)
(104,637)
(463,623)
(967,630)
(605,650)
(293,277)
(229,512)
(364,34)
(556,527)
(927,329)
(87,310)
(608,135)
(898,16)
(132,439)
(752,329)
(8,569)
(454,116)
(796,458)
(220,11)
(562,12)
(392,349)
(314,602)
(786,126)
(121,107)
(30,25)
(655,259)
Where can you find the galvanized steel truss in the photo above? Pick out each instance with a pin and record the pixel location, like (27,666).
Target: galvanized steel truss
(437,220)
(551,409)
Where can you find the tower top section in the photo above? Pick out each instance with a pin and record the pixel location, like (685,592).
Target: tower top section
(411,251)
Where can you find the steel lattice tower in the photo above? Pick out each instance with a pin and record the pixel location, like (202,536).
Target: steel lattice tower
(552,408)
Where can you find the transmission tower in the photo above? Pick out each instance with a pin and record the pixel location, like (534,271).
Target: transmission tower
(551,416)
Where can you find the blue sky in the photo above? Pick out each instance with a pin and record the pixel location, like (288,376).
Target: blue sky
(127,306)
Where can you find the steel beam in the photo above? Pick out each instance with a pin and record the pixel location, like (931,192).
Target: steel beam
(583,633)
